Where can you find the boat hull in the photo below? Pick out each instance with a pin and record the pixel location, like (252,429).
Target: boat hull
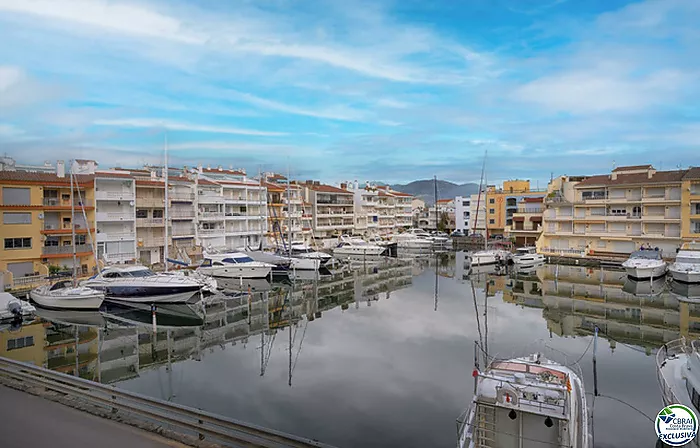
(83,299)
(154,297)
(529,260)
(641,273)
(305,264)
(685,276)
(359,251)
(233,271)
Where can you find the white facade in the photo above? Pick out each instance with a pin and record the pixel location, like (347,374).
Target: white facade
(462,213)
(115,194)
(332,207)
(365,201)
(477,221)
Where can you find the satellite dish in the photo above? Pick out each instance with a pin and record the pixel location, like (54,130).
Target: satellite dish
(131,203)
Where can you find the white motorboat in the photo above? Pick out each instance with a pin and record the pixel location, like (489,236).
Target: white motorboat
(208,283)
(490,256)
(440,238)
(436,239)
(282,263)
(63,295)
(527,256)
(645,264)
(678,372)
(234,265)
(138,284)
(526,402)
(301,250)
(686,268)
(351,246)
(410,241)
(13,308)
(641,288)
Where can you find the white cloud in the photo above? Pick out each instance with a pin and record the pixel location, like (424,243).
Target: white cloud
(8,130)
(179,126)
(392,103)
(334,113)
(9,76)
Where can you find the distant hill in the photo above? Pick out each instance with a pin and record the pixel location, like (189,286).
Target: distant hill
(425,189)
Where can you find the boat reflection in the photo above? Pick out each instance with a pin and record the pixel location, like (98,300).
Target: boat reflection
(121,342)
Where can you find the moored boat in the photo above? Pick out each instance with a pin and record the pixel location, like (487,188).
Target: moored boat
(138,284)
(645,264)
(686,268)
(527,256)
(63,295)
(350,246)
(234,265)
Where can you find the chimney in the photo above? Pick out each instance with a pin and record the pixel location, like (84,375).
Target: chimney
(220,168)
(60,168)
(199,168)
(208,166)
(309,182)
(317,183)
(343,186)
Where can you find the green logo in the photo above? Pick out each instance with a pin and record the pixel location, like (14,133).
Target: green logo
(676,425)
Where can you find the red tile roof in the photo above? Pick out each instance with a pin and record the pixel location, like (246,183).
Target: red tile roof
(693,173)
(444,201)
(114,174)
(327,189)
(206,182)
(660,177)
(25,177)
(237,182)
(400,193)
(633,168)
(150,183)
(273,187)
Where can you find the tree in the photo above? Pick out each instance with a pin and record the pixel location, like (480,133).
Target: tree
(444,222)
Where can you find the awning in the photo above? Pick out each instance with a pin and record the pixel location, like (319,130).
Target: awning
(536,219)
(518,218)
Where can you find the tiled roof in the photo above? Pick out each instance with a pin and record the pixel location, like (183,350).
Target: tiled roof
(150,183)
(25,177)
(632,168)
(659,177)
(444,201)
(114,174)
(327,189)
(400,193)
(203,181)
(237,182)
(693,173)
(180,179)
(273,187)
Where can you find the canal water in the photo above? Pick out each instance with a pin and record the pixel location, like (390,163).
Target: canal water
(379,355)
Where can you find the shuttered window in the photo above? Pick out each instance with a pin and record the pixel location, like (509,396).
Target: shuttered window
(16,196)
(16,218)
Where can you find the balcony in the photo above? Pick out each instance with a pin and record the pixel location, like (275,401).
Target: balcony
(149,222)
(235,216)
(556,199)
(180,196)
(150,202)
(119,257)
(115,236)
(239,232)
(107,195)
(529,210)
(211,232)
(181,214)
(113,216)
(66,250)
(182,231)
(151,241)
(211,216)
(210,199)
(335,202)
(236,200)
(58,203)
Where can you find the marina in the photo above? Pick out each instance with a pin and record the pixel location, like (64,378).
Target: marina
(387,345)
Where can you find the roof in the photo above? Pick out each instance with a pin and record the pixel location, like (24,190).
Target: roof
(224,171)
(150,183)
(203,181)
(25,177)
(659,177)
(693,173)
(534,199)
(237,182)
(400,193)
(327,189)
(113,174)
(273,187)
(179,179)
(633,168)
(444,201)
(86,161)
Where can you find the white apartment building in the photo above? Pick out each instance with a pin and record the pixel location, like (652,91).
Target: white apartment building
(115,216)
(477,217)
(182,216)
(386,212)
(380,210)
(332,208)
(612,215)
(462,214)
(365,200)
(150,217)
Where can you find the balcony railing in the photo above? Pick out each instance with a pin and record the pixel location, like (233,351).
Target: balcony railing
(181,214)
(124,195)
(186,231)
(149,222)
(114,216)
(529,210)
(56,202)
(158,202)
(114,236)
(151,241)
(119,257)
(67,250)
(218,231)
(180,196)
(333,202)
(211,215)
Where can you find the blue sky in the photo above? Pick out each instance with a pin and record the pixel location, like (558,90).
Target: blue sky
(392,90)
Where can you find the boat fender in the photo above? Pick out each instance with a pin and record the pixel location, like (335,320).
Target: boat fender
(507,396)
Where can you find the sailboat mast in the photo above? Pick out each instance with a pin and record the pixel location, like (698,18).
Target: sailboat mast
(478,197)
(165,242)
(72,225)
(289,216)
(435,194)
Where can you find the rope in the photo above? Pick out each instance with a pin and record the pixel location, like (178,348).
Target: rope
(627,404)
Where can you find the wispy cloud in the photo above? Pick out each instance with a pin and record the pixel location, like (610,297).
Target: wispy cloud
(154,123)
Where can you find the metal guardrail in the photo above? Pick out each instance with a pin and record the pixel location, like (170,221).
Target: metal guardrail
(205,424)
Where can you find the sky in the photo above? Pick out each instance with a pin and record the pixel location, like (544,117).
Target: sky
(385,90)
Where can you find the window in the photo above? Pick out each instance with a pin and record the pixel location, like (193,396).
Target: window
(65,197)
(16,196)
(157,213)
(492,221)
(16,218)
(492,201)
(18,243)
(51,241)
(80,239)
(66,223)
(13,344)
(465,203)
(492,211)
(141,213)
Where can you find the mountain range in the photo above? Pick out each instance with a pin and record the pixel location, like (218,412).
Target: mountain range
(425,189)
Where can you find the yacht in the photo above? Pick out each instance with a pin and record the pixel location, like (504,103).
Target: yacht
(282,263)
(645,264)
(489,256)
(526,402)
(678,372)
(234,265)
(209,284)
(302,251)
(436,239)
(527,256)
(357,246)
(686,268)
(138,284)
(410,241)
(64,295)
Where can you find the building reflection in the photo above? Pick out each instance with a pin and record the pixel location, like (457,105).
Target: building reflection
(574,300)
(119,343)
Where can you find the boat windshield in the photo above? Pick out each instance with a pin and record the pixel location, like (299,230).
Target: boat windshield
(139,273)
(525,250)
(687,260)
(647,254)
(238,260)
(60,285)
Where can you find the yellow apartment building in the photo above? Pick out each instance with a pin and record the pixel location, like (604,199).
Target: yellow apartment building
(690,208)
(36,225)
(612,215)
(502,204)
(26,344)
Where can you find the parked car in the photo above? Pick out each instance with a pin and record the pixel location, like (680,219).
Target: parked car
(457,233)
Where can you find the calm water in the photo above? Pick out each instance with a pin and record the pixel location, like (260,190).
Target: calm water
(374,357)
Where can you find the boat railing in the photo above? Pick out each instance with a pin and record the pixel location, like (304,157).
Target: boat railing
(670,350)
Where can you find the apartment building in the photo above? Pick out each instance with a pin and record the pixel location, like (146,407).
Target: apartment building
(690,208)
(115,216)
(332,208)
(285,212)
(36,224)
(477,214)
(527,222)
(365,200)
(403,208)
(462,214)
(182,216)
(502,203)
(232,209)
(612,215)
